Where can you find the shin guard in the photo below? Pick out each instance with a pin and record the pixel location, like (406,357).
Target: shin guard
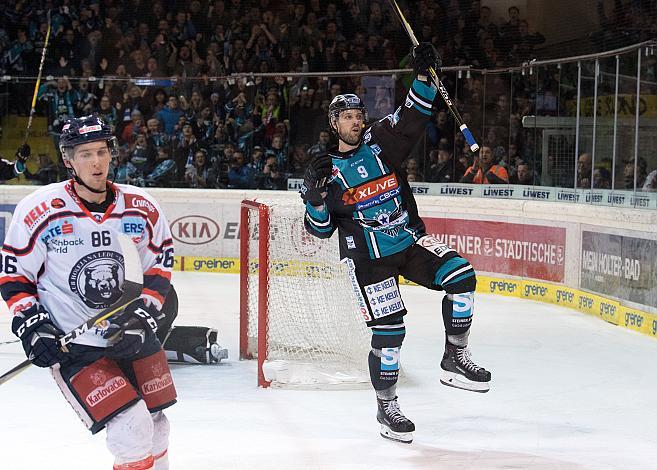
(384,356)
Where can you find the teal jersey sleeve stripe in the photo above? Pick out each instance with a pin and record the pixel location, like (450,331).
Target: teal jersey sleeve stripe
(320,216)
(450,265)
(422,110)
(462,276)
(320,229)
(388,333)
(425,91)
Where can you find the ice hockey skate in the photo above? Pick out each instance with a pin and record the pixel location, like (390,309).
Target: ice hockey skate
(459,371)
(394,425)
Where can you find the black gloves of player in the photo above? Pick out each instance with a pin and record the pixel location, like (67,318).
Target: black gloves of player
(39,336)
(129,330)
(315,179)
(425,56)
(22,154)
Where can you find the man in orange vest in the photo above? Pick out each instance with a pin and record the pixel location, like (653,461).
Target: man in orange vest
(485,171)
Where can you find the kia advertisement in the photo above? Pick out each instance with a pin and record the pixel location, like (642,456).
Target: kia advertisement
(533,251)
(194,229)
(210,230)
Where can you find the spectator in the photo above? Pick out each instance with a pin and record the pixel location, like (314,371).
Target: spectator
(446,169)
(484,170)
(107,112)
(584,169)
(601,178)
(185,147)
(47,172)
(523,47)
(134,128)
(155,136)
(18,59)
(197,175)
(169,116)
(61,104)
(256,166)
(166,171)
(85,101)
(321,146)
(526,175)
(142,155)
(239,175)
(277,150)
(273,178)
(413,167)
(628,174)
(299,160)
(125,172)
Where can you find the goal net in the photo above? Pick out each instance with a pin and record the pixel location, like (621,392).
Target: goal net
(299,314)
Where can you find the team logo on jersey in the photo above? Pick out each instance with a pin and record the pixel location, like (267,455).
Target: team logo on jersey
(386,222)
(57,203)
(97,278)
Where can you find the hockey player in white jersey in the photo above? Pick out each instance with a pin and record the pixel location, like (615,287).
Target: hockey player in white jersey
(61,265)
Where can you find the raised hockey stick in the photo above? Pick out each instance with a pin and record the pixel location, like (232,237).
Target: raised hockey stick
(469,138)
(38,82)
(132,287)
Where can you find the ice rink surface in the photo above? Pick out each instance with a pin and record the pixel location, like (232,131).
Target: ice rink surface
(569,391)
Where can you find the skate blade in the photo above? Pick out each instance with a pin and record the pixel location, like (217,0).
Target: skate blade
(403,437)
(452,379)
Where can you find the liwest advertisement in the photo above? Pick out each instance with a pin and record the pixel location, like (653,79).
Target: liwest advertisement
(533,251)
(619,266)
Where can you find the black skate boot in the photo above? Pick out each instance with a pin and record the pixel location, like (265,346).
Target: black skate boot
(459,371)
(394,425)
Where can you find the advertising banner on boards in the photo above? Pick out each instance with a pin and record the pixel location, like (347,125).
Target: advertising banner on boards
(533,251)
(619,266)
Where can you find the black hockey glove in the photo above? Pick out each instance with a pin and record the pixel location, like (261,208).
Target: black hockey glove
(129,331)
(22,154)
(39,336)
(425,56)
(315,179)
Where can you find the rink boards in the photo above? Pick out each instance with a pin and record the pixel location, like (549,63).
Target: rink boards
(595,259)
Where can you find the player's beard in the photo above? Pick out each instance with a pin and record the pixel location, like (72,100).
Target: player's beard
(351,137)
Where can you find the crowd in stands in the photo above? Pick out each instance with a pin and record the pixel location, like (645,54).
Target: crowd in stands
(174,81)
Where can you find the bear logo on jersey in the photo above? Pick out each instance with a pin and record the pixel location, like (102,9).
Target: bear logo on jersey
(97,278)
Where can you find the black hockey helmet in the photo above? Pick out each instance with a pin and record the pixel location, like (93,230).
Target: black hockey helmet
(344,102)
(77,131)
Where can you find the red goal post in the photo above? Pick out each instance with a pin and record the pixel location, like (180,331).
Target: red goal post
(299,315)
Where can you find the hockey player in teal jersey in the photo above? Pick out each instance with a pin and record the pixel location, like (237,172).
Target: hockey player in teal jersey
(360,189)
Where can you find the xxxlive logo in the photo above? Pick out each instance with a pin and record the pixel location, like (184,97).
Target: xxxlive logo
(369,190)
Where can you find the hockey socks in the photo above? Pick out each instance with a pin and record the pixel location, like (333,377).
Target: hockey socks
(394,425)
(459,371)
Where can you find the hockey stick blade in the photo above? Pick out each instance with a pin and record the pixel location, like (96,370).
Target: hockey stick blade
(132,287)
(469,138)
